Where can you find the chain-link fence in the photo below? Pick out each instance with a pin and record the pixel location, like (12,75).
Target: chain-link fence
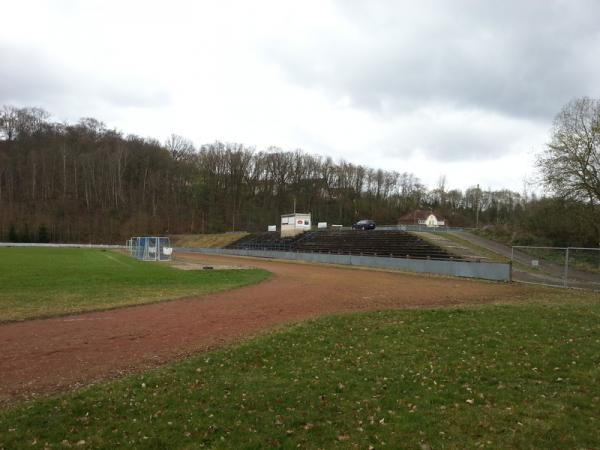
(574,267)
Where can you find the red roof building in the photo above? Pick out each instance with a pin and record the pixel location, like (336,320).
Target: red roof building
(422,217)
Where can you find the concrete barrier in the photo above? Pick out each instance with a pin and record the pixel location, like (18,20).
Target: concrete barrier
(481,270)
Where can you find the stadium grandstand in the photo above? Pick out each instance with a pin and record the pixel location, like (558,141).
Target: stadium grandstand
(398,244)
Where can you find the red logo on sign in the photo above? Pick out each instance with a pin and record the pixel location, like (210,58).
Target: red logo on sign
(300,222)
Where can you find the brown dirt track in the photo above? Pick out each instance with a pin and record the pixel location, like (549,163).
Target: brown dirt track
(41,356)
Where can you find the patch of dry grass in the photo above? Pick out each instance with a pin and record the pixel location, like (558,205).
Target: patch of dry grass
(206,240)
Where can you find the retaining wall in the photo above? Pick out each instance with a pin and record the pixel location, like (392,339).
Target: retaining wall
(485,271)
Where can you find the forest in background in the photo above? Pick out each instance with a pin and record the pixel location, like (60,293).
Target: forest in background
(85,183)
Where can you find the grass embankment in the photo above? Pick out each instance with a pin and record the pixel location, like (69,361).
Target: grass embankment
(41,282)
(481,251)
(438,237)
(514,376)
(206,240)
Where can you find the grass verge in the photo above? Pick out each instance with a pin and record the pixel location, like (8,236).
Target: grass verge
(511,376)
(42,282)
(482,251)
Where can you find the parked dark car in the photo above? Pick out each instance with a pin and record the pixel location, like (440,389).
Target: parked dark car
(364,225)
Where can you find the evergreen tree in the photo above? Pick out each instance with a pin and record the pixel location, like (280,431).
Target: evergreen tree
(12,234)
(43,235)
(24,235)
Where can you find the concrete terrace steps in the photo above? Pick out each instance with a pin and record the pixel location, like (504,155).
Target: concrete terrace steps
(393,243)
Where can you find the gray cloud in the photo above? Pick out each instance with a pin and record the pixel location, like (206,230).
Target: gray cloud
(28,76)
(436,83)
(512,57)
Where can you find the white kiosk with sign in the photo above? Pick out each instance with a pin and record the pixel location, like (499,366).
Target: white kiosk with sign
(294,224)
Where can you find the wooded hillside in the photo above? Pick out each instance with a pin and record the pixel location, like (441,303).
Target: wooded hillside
(86,183)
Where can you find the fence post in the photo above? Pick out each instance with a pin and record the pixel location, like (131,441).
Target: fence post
(566,267)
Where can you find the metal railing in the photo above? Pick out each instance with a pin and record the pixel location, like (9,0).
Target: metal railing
(418,228)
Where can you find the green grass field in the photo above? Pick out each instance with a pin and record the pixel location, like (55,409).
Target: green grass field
(513,376)
(41,282)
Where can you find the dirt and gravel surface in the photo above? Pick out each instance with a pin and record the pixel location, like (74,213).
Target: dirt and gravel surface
(199,263)
(41,356)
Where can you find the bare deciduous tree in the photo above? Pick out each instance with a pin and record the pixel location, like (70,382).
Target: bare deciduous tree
(570,165)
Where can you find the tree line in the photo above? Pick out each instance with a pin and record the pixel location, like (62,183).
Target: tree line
(84,183)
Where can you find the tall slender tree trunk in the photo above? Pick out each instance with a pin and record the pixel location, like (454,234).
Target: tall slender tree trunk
(33,180)
(64,164)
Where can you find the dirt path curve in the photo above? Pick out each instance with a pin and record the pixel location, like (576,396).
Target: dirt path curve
(41,356)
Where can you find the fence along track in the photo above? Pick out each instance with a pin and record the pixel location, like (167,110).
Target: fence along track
(566,267)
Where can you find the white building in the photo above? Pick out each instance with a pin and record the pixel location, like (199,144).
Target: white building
(422,217)
(293,224)
(432,221)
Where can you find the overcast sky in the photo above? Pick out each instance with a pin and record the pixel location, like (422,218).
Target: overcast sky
(466,89)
